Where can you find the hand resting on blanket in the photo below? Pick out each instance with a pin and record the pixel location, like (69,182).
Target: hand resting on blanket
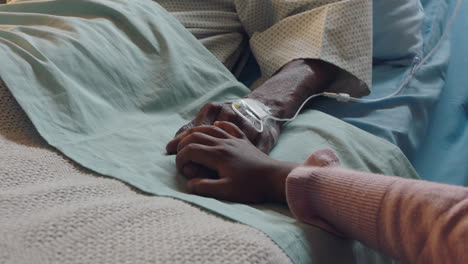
(244,173)
(283,94)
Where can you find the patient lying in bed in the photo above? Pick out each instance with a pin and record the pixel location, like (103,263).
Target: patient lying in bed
(114,114)
(302,47)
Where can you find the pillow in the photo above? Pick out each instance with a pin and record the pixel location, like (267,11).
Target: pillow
(397,30)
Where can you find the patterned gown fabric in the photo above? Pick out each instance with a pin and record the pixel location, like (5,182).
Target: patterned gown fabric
(279,31)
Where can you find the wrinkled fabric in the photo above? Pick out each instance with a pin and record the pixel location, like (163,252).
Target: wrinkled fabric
(53,211)
(279,31)
(108,83)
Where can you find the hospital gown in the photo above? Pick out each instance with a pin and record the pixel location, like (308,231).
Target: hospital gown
(279,31)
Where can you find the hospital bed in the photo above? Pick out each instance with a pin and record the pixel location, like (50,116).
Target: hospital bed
(55,211)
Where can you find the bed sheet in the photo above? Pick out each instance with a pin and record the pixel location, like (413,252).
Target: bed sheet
(409,112)
(443,153)
(428,118)
(53,211)
(116,113)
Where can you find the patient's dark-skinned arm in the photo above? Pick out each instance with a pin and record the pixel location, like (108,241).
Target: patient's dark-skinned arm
(297,80)
(283,93)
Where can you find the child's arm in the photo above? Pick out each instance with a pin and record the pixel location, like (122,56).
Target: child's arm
(412,220)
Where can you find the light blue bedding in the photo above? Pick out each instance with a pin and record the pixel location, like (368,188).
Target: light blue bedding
(397,20)
(443,153)
(428,119)
(109,82)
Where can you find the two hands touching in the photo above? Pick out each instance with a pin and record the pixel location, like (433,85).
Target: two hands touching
(224,156)
(226,159)
(221,162)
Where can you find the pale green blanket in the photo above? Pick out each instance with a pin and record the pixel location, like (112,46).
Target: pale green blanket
(108,83)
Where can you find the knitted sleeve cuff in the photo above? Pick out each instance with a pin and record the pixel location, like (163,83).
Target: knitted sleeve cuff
(342,201)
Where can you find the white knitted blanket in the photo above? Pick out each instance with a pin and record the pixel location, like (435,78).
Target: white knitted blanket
(53,211)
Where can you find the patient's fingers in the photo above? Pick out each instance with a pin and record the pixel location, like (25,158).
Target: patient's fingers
(218,189)
(206,116)
(184,128)
(216,132)
(197,153)
(208,113)
(213,112)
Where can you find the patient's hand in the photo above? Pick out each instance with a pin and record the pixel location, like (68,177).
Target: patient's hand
(283,94)
(223,112)
(244,173)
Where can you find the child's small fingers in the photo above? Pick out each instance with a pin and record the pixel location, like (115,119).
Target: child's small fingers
(194,170)
(173,146)
(197,138)
(197,153)
(214,188)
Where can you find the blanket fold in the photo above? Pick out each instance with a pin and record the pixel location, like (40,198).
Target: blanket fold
(108,83)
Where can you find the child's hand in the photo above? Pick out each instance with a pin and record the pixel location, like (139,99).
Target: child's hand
(245,174)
